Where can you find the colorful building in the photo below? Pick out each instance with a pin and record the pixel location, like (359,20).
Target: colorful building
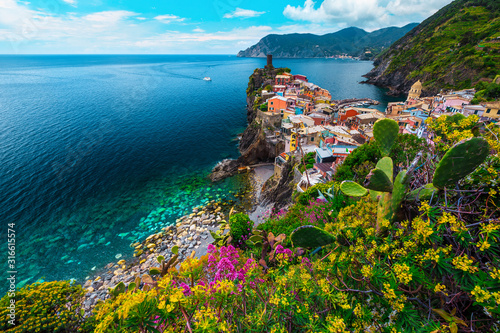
(282,79)
(277,104)
(492,110)
(300,77)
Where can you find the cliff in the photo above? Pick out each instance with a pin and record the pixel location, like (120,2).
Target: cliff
(453,49)
(351,41)
(253,146)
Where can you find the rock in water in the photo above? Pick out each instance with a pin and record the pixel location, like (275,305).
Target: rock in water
(224,169)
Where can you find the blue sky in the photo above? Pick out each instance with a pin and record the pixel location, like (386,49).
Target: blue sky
(186,27)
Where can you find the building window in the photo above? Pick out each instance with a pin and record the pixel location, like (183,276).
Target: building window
(488,111)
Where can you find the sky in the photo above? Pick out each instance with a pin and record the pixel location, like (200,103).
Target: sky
(186,26)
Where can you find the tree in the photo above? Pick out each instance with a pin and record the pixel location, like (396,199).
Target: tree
(364,158)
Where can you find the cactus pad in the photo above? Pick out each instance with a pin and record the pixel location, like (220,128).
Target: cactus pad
(385,132)
(384,208)
(460,160)
(398,191)
(353,189)
(374,195)
(377,180)
(422,193)
(385,164)
(311,236)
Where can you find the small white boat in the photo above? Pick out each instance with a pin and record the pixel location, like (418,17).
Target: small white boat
(207,78)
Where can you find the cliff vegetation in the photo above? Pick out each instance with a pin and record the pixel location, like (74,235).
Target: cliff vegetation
(456,47)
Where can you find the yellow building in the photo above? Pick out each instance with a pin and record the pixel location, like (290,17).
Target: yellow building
(492,110)
(415,90)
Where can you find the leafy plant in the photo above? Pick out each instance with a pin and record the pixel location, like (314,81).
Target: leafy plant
(269,245)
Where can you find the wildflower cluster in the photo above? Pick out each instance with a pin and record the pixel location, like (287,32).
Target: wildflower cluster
(45,307)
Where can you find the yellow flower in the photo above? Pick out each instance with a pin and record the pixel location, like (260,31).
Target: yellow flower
(495,273)
(484,245)
(464,263)
(367,271)
(440,288)
(480,294)
(423,229)
(402,272)
(335,324)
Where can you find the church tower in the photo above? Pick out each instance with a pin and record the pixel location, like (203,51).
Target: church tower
(415,90)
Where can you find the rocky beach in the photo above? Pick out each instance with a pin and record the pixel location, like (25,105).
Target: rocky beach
(190,233)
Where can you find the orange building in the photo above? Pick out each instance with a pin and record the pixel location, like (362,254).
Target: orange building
(347,114)
(323,94)
(277,104)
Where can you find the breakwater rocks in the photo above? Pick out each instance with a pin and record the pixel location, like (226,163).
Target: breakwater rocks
(190,233)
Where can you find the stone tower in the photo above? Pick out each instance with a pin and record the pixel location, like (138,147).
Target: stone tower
(415,90)
(269,61)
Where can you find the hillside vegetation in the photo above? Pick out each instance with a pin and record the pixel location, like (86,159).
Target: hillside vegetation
(454,48)
(351,41)
(416,251)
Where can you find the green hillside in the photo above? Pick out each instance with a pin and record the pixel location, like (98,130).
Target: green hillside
(352,41)
(455,48)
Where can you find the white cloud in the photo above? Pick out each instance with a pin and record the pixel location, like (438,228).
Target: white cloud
(364,13)
(109,17)
(140,18)
(243,13)
(71,2)
(23,30)
(168,18)
(12,13)
(250,34)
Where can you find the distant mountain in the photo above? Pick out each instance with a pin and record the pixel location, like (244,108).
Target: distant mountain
(454,48)
(351,41)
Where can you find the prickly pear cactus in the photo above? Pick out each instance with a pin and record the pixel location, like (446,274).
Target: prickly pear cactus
(353,189)
(460,160)
(311,236)
(377,180)
(422,193)
(385,132)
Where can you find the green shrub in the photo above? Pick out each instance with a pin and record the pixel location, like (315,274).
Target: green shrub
(240,227)
(44,307)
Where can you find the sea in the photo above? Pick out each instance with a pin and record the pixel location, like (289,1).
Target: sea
(100,151)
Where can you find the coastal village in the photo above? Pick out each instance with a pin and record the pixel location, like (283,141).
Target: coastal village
(306,119)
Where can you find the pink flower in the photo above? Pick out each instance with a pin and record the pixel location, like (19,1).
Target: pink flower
(186,290)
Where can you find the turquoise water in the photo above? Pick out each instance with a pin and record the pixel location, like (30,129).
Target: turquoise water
(100,151)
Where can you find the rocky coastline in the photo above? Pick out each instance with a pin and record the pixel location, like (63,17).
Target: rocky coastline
(191,233)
